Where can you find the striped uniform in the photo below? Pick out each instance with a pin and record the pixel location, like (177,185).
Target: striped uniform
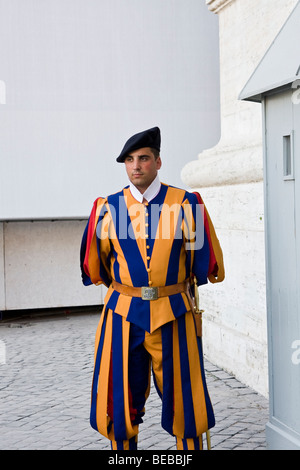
(162,243)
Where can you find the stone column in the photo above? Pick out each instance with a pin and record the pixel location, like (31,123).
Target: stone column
(230,179)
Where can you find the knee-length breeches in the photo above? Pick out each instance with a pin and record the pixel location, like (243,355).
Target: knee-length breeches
(124,354)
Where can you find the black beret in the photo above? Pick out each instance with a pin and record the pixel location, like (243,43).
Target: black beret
(148,138)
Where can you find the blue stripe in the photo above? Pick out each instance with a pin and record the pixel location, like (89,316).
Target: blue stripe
(197,443)
(93,412)
(116,265)
(202,253)
(188,407)
(138,370)
(139,313)
(168,388)
(177,305)
(112,302)
(133,443)
(173,267)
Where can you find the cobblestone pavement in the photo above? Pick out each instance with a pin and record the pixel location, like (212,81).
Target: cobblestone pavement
(46,368)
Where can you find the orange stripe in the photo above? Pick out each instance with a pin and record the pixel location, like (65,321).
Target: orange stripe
(179,443)
(153,344)
(161,313)
(123,305)
(196,376)
(189,229)
(124,271)
(98,333)
(114,445)
(160,259)
(93,261)
(102,419)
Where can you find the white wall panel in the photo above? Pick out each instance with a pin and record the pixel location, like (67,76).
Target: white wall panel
(80,77)
(42,266)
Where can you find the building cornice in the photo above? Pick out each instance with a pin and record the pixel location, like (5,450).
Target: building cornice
(216,5)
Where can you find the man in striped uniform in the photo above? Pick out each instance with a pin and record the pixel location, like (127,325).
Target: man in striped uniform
(147,243)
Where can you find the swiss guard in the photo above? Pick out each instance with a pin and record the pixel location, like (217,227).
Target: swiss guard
(151,245)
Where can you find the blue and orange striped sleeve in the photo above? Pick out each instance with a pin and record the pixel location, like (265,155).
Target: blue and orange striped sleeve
(216,271)
(93,268)
(196,240)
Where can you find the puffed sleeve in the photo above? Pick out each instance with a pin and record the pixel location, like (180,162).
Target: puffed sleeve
(195,239)
(95,246)
(216,271)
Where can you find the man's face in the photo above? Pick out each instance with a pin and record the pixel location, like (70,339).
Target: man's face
(142,167)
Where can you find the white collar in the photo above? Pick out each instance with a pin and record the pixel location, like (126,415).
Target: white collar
(150,192)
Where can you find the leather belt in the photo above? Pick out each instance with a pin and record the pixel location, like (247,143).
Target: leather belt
(151,293)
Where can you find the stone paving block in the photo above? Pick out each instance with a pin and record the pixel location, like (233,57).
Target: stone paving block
(45,393)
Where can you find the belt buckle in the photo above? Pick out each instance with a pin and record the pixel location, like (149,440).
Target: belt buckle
(149,293)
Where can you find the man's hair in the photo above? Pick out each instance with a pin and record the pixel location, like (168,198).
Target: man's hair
(155,152)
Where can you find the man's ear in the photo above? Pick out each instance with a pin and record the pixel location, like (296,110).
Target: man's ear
(158,163)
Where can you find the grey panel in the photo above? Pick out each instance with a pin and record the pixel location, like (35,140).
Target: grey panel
(282,201)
